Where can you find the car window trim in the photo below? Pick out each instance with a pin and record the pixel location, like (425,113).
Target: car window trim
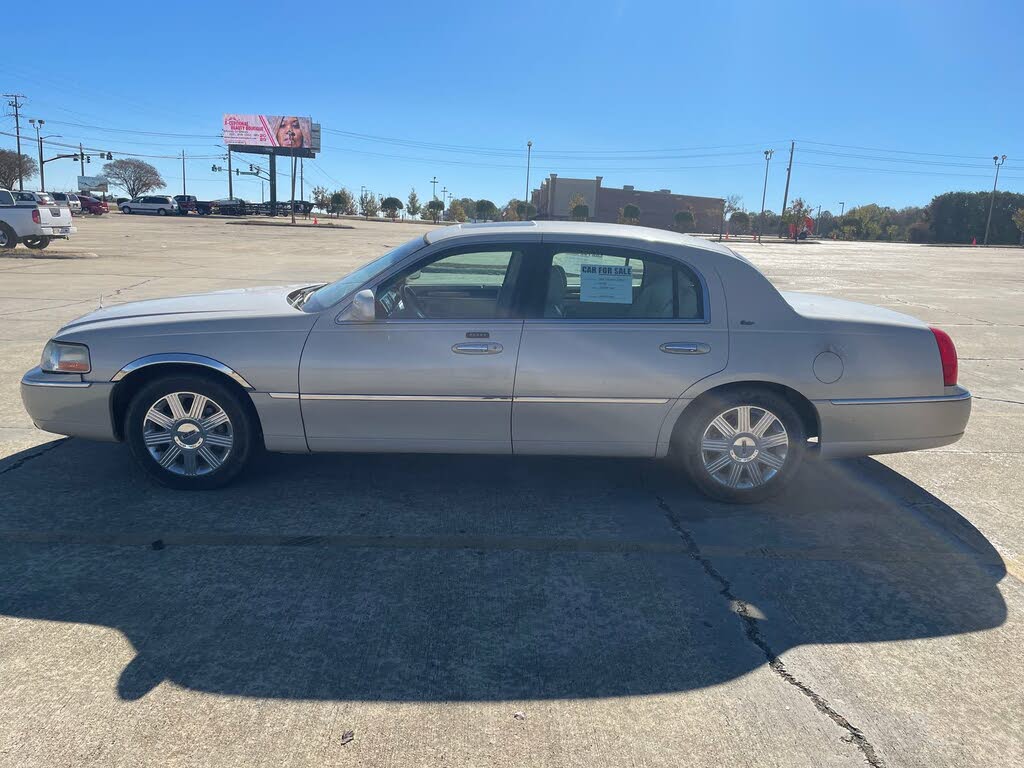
(547,253)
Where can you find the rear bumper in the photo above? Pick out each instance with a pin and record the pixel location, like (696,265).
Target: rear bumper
(863,427)
(66,405)
(64,231)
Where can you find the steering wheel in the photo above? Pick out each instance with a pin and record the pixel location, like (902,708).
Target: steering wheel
(410,301)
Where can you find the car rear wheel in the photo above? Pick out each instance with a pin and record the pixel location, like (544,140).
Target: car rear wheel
(8,237)
(36,243)
(744,446)
(190,432)
(161,211)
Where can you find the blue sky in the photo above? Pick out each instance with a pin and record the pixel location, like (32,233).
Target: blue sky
(675,95)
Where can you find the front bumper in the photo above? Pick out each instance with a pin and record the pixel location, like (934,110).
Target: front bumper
(64,404)
(864,427)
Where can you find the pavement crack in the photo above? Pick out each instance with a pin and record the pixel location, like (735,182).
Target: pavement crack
(28,457)
(753,633)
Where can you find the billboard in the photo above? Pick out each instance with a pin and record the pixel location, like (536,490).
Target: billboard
(271,131)
(93,184)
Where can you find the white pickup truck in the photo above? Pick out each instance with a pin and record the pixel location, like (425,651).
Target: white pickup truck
(32,219)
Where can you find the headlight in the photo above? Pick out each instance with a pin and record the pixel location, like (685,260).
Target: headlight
(62,357)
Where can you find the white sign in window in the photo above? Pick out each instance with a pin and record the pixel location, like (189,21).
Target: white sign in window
(606,284)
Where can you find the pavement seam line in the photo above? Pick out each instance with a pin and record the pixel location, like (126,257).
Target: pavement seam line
(753,634)
(24,459)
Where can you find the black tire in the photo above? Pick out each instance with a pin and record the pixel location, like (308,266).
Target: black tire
(698,418)
(161,211)
(36,243)
(126,210)
(8,237)
(242,426)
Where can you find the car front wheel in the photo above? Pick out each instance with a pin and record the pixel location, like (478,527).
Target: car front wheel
(190,432)
(126,209)
(744,446)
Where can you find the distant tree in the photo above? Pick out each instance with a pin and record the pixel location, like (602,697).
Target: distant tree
(630,214)
(739,223)
(526,211)
(469,206)
(511,210)
(578,208)
(9,164)
(391,206)
(455,211)
(957,217)
(435,208)
(796,215)
(485,209)
(1018,220)
(683,220)
(369,205)
(136,177)
(412,203)
(321,198)
(342,203)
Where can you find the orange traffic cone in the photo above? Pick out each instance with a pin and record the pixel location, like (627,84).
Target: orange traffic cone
(315,222)
(974,241)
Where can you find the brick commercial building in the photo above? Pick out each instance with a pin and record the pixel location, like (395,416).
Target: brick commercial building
(657,209)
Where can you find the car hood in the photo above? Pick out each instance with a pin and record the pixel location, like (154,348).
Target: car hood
(827,308)
(239,302)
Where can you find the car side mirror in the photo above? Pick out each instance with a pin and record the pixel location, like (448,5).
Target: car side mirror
(364,306)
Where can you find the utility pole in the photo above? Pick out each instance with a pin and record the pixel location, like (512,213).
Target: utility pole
(433,183)
(444,196)
(15,101)
(529,151)
(991,203)
(183,192)
(302,179)
(789,170)
(231,193)
(292,203)
(767,158)
(842,207)
(81,157)
(38,125)
(817,217)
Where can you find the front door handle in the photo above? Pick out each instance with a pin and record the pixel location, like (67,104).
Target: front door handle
(477,348)
(685,348)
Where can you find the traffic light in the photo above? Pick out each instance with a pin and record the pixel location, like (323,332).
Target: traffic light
(88,158)
(213,168)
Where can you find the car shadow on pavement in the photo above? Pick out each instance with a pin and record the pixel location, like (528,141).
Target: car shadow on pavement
(419,578)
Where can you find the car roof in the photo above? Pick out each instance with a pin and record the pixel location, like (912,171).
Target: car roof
(567,229)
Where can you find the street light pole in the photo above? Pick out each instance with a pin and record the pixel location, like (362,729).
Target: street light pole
(433,187)
(991,203)
(183,191)
(767,158)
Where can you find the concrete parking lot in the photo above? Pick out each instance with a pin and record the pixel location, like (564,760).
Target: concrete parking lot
(470,611)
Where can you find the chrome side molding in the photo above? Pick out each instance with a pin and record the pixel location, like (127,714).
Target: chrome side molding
(175,357)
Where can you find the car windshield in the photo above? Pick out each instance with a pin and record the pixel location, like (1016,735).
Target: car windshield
(334,292)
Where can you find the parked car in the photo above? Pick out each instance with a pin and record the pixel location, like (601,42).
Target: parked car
(528,338)
(93,206)
(32,219)
(163,205)
(185,203)
(228,206)
(68,199)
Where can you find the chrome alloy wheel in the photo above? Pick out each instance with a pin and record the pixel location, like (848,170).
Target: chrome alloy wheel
(187,433)
(744,447)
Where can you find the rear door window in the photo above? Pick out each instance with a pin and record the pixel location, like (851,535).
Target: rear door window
(598,284)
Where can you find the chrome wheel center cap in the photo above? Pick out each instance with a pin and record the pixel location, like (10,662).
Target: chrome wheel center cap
(188,435)
(744,449)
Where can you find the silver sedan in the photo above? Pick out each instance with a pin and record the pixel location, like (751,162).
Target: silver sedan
(535,338)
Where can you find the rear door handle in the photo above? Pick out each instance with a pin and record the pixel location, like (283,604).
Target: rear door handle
(685,348)
(477,348)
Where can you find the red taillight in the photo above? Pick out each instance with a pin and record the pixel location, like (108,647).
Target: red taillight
(947,353)
(35,217)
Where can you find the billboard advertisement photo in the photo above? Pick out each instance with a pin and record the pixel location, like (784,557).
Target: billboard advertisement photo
(271,131)
(93,184)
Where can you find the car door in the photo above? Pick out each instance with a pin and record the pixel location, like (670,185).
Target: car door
(620,335)
(434,371)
